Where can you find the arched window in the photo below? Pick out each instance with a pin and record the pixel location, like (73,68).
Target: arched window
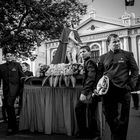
(95,51)
(53,53)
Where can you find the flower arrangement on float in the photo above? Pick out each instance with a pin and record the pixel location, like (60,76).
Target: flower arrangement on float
(59,74)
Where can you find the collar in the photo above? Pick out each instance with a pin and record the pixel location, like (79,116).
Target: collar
(87,58)
(115,51)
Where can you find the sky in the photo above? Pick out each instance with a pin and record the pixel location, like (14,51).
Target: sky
(112,8)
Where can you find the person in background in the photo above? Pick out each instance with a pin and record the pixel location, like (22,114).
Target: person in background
(121,69)
(10,74)
(87,110)
(27,73)
(135,95)
(26,69)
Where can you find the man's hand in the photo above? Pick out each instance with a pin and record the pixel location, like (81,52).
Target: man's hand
(82,97)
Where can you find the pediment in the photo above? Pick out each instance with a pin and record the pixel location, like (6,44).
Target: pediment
(97,25)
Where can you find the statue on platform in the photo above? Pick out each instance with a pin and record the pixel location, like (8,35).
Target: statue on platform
(68,47)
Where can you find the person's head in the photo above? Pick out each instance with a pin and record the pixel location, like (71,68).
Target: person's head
(25,66)
(113,42)
(9,56)
(85,51)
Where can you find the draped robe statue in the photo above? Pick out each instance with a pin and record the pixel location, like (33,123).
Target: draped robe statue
(68,47)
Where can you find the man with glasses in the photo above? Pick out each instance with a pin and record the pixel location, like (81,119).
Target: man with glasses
(10,74)
(122,71)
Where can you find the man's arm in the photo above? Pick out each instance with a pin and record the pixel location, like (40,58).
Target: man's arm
(100,68)
(134,71)
(90,81)
(71,36)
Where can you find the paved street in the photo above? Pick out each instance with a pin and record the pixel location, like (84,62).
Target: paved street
(133,132)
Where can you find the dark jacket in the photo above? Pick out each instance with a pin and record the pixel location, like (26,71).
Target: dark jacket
(137,84)
(120,67)
(90,73)
(11,73)
(28,73)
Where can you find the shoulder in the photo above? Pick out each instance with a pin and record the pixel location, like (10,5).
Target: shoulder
(16,63)
(2,65)
(127,52)
(30,72)
(91,61)
(103,55)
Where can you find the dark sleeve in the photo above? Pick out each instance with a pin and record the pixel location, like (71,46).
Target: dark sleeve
(138,84)
(90,78)
(134,71)
(31,73)
(100,68)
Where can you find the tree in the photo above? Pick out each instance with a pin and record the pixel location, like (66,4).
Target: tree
(25,23)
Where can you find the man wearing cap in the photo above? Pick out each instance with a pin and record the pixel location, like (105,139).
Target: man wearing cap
(10,74)
(121,69)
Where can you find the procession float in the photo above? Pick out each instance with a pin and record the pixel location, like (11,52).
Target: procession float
(66,68)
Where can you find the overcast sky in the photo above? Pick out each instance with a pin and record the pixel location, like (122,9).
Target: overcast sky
(112,8)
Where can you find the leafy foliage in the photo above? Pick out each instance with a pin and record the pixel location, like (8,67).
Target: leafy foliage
(25,23)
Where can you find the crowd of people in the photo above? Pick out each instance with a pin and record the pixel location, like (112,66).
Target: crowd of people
(118,65)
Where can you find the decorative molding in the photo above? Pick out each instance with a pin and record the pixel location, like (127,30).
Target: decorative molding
(102,36)
(134,31)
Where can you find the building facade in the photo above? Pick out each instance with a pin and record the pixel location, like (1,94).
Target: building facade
(94,31)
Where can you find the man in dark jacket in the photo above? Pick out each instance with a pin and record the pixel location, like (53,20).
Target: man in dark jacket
(10,74)
(122,71)
(87,107)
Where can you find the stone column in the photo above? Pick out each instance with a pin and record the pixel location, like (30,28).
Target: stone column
(48,55)
(126,44)
(33,67)
(134,47)
(104,48)
(139,54)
